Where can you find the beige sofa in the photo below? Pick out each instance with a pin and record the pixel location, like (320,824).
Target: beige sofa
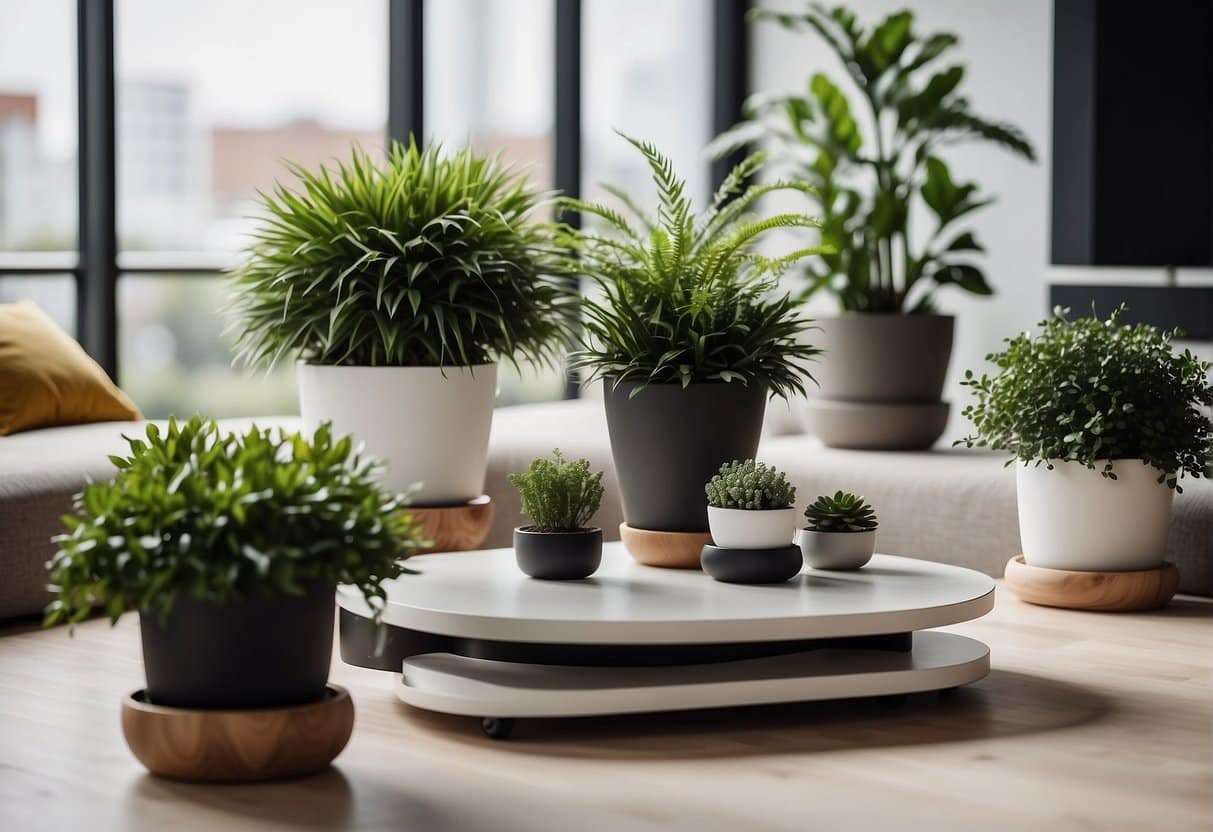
(946,505)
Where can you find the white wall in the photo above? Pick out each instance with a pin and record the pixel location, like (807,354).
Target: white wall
(1006,47)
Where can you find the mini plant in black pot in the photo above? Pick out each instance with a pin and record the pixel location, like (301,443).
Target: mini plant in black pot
(690,332)
(560,497)
(231,547)
(841,533)
(752,519)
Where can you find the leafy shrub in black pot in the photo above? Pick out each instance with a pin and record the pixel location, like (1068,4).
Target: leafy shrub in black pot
(231,547)
(690,333)
(841,533)
(561,498)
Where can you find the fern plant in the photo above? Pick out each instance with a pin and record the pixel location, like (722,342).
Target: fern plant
(557,494)
(425,259)
(870,167)
(685,298)
(750,485)
(844,512)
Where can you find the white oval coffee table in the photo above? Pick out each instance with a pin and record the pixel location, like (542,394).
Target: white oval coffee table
(472,635)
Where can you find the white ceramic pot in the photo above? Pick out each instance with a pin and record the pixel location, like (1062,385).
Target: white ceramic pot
(836,550)
(429,424)
(1074,518)
(739,528)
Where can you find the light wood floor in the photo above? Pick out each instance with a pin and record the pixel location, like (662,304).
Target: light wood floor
(1088,721)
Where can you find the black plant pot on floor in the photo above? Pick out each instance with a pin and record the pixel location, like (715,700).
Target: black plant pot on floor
(558,556)
(668,441)
(251,653)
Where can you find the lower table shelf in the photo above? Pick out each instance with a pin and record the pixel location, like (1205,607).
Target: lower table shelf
(495,689)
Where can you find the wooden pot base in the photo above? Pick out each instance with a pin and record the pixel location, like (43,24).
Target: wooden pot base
(238,746)
(455,528)
(672,550)
(1105,591)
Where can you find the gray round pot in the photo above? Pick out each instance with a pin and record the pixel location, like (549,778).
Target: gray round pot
(751,566)
(875,427)
(250,653)
(558,556)
(668,440)
(836,550)
(883,358)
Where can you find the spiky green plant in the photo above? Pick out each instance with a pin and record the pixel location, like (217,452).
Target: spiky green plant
(557,494)
(844,512)
(874,155)
(424,259)
(749,485)
(686,298)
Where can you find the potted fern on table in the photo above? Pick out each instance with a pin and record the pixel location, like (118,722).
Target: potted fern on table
(874,159)
(560,497)
(690,333)
(399,285)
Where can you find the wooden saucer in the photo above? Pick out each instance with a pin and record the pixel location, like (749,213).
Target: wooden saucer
(238,746)
(456,528)
(1105,591)
(672,550)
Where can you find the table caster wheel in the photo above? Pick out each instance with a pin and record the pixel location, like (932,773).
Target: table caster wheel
(892,701)
(495,728)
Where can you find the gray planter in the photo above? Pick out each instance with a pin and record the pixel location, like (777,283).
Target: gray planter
(558,556)
(668,441)
(875,427)
(883,358)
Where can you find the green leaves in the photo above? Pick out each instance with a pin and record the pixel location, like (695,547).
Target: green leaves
(750,485)
(687,298)
(1088,390)
(421,259)
(844,512)
(221,516)
(558,495)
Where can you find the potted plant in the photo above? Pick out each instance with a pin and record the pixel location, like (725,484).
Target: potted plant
(841,533)
(1107,419)
(231,548)
(687,321)
(750,506)
(871,165)
(560,497)
(399,285)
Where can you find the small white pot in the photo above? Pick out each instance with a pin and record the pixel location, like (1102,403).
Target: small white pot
(739,528)
(1074,518)
(429,424)
(836,550)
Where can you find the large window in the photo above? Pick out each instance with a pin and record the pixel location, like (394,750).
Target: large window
(186,109)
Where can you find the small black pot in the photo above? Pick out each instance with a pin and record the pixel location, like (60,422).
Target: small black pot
(251,653)
(752,566)
(558,556)
(669,440)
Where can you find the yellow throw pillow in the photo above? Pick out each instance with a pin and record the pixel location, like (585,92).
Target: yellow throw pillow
(46,378)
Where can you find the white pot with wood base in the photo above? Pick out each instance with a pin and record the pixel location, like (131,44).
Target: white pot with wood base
(429,424)
(1072,517)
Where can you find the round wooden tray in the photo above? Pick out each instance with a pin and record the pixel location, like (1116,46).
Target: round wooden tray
(1105,591)
(456,528)
(672,550)
(238,746)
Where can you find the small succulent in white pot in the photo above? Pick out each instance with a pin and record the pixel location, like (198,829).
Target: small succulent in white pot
(750,506)
(841,533)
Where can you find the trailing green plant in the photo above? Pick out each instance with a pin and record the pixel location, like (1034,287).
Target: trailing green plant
(844,512)
(218,516)
(1093,392)
(425,259)
(685,298)
(750,485)
(870,168)
(558,495)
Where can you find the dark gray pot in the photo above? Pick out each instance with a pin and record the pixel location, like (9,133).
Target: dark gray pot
(251,653)
(558,556)
(668,441)
(883,358)
(752,566)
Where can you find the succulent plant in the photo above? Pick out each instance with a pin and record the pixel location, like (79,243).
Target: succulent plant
(843,512)
(750,485)
(558,495)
